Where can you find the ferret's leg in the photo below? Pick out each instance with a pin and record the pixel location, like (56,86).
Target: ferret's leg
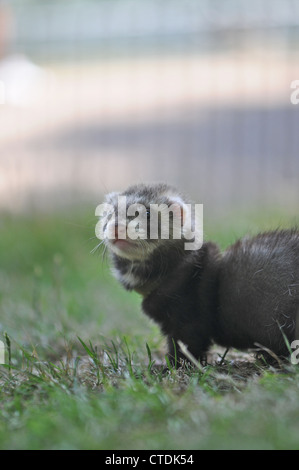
(176,356)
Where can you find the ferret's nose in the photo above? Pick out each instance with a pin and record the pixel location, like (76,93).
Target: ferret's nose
(120,231)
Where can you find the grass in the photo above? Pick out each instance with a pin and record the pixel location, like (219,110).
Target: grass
(85,368)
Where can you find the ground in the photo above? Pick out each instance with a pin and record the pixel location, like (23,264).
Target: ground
(86,370)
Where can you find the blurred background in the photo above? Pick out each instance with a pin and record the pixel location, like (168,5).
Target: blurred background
(96,95)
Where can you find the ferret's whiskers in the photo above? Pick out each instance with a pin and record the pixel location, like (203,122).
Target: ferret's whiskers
(96,247)
(104,252)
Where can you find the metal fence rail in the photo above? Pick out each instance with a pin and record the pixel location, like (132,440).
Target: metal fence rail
(190,92)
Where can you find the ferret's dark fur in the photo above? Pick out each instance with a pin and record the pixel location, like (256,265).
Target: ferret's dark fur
(247,296)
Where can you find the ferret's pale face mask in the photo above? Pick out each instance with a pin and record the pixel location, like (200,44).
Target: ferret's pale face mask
(133,226)
(134,231)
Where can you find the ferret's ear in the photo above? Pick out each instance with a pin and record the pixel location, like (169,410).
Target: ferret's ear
(185,210)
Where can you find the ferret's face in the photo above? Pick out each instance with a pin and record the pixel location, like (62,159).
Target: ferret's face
(136,222)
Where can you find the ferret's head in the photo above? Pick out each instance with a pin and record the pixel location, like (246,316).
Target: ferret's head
(134,223)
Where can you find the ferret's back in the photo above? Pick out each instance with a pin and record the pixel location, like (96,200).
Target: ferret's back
(259,291)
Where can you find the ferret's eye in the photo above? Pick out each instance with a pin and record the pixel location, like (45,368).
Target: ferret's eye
(108,216)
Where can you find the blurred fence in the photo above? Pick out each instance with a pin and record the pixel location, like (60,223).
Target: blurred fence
(113,92)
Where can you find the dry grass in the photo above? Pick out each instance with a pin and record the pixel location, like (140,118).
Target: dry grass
(86,370)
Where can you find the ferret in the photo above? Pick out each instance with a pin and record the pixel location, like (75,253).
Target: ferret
(244,297)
